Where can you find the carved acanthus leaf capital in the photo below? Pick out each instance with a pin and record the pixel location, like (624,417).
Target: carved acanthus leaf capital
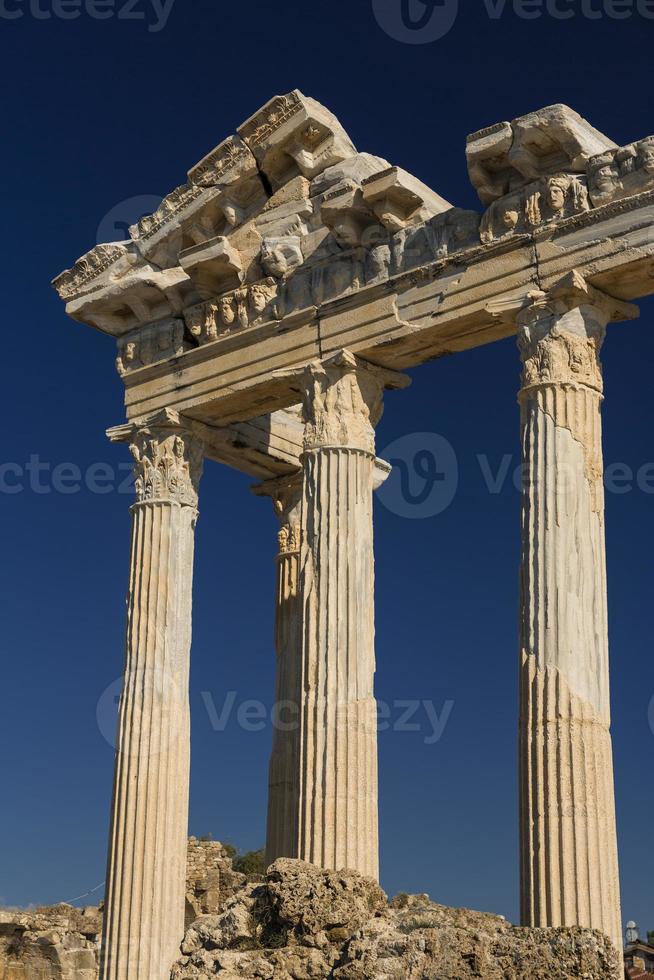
(561,332)
(343,401)
(168,458)
(286,495)
(552,354)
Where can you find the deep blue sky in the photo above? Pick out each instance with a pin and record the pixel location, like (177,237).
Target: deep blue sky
(97,112)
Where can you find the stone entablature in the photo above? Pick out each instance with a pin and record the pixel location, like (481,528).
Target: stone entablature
(285,226)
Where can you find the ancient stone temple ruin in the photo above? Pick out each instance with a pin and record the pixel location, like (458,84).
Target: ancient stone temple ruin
(260,314)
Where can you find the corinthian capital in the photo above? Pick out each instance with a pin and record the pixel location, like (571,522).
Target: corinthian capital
(561,332)
(553,354)
(168,458)
(286,495)
(343,401)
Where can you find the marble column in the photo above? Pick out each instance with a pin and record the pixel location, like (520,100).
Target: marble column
(569,862)
(146,875)
(282,823)
(337,784)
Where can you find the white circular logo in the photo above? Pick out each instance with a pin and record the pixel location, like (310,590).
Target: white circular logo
(416,21)
(115,225)
(424,478)
(151,687)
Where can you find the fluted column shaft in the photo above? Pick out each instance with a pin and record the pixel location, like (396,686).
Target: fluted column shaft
(569,863)
(146,874)
(283,784)
(337,787)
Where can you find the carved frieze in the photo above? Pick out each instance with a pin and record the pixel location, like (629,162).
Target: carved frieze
(150,344)
(540,203)
(262,126)
(505,157)
(442,236)
(622,173)
(230,161)
(235,310)
(171,206)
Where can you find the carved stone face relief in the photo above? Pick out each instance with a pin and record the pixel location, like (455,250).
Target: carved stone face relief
(646,156)
(604,178)
(233,311)
(279,256)
(150,344)
(261,293)
(544,201)
(226,310)
(622,173)
(510,219)
(556,190)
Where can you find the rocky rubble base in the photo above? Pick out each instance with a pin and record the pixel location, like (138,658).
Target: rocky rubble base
(60,942)
(303,923)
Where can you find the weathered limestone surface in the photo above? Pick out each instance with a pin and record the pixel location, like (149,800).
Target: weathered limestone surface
(62,942)
(569,847)
(47,943)
(304,922)
(292,269)
(146,871)
(323,772)
(337,784)
(286,245)
(210,878)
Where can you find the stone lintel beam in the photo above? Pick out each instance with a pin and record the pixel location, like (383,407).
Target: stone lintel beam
(573,291)
(436,310)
